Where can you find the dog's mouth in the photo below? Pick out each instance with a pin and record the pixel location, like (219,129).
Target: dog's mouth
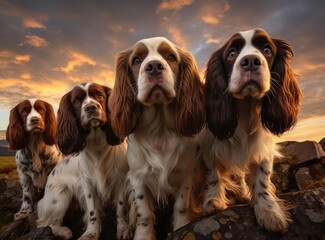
(158,94)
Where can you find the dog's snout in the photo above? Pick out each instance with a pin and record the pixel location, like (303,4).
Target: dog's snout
(34,120)
(250,63)
(90,108)
(154,68)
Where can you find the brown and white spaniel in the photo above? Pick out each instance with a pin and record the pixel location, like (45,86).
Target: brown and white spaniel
(96,172)
(250,93)
(31,131)
(157,101)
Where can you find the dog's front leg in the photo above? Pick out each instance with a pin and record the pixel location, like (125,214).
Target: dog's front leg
(144,205)
(92,209)
(269,209)
(27,186)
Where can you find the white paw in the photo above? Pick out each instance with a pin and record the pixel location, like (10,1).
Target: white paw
(62,232)
(214,205)
(22,215)
(144,233)
(87,236)
(274,219)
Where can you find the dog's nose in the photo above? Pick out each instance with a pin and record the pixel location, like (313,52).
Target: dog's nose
(34,120)
(154,68)
(90,108)
(250,63)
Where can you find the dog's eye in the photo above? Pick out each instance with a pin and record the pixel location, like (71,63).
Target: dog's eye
(171,58)
(267,50)
(100,98)
(136,61)
(76,102)
(41,111)
(232,54)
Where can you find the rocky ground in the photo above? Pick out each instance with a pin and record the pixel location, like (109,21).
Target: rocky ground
(299,178)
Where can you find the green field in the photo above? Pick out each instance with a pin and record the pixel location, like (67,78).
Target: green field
(8,167)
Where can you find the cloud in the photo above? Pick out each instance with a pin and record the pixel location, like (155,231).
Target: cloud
(77,59)
(25,76)
(22,58)
(214,14)
(35,41)
(172,5)
(176,36)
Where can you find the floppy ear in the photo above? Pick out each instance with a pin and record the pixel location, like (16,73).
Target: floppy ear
(123,105)
(50,125)
(220,105)
(16,135)
(281,105)
(189,115)
(70,135)
(111,138)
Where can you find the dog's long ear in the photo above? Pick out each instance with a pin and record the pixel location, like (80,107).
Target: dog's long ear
(189,116)
(122,103)
(111,138)
(281,105)
(70,136)
(220,105)
(50,125)
(16,134)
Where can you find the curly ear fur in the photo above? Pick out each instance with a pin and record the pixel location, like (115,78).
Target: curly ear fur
(50,125)
(190,116)
(281,105)
(16,135)
(122,103)
(220,105)
(111,138)
(70,135)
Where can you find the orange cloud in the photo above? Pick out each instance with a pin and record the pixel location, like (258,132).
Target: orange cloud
(176,36)
(34,23)
(25,76)
(213,15)
(22,58)
(174,5)
(35,41)
(77,59)
(211,39)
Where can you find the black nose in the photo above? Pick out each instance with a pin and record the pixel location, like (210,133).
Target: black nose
(250,62)
(154,68)
(34,120)
(90,108)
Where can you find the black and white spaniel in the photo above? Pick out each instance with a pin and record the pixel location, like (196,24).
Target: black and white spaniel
(157,101)
(31,131)
(95,174)
(250,94)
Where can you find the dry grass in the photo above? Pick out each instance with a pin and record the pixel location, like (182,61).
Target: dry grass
(8,168)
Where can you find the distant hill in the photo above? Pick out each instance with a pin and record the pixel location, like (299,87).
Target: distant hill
(5,151)
(3,143)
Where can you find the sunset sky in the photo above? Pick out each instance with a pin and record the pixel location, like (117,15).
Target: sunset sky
(47,47)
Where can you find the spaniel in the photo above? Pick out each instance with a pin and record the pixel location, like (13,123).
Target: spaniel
(31,131)
(157,101)
(96,171)
(250,93)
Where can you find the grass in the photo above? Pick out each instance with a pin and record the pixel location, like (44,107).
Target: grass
(8,167)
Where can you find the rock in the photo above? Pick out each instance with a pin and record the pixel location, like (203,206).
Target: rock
(238,222)
(281,177)
(322,143)
(303,178)
(39,234)
(302,152)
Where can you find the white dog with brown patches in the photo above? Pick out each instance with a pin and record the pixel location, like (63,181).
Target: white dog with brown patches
(250,93)
(157,101)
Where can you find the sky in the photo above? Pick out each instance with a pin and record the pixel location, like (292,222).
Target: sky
(47,47)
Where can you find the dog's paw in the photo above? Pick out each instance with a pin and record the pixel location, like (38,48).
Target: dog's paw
(22,215)
(214,205)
